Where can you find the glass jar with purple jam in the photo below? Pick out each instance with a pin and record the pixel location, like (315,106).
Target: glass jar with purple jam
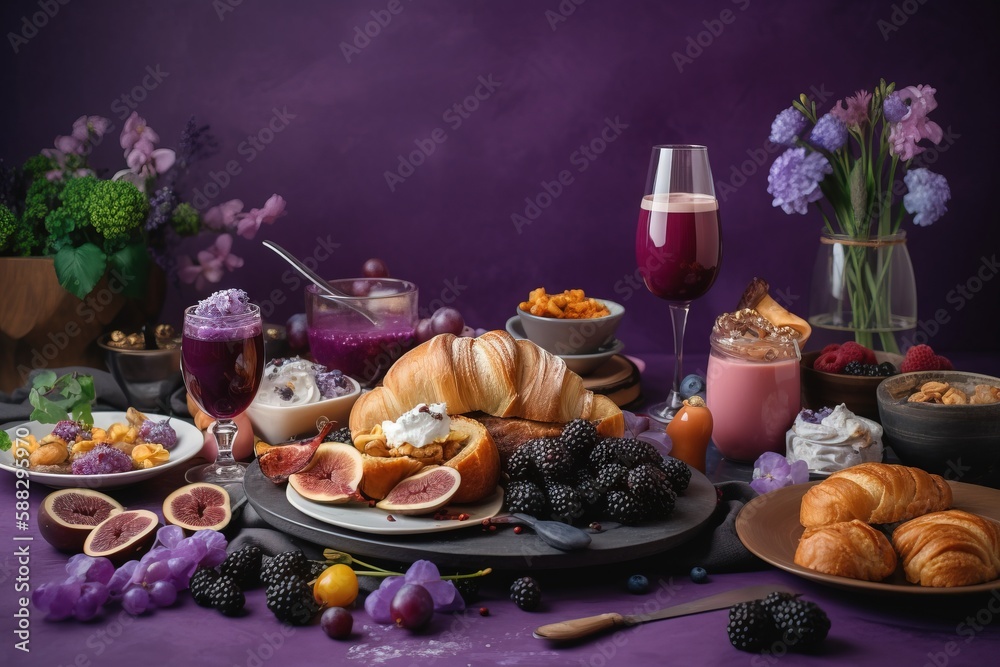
(342,333)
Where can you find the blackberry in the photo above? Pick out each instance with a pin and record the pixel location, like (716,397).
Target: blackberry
(468,587)
(200,585)
(526,593)
(855,368)
(624,507)
(564,502)
(291,601)
(750,627)
(283,566)
(243,566)
(340,435)
(887,369)
(604,453)
(521,465)
(774,599)
(579,436)
(677,471)
(801,624)
(632,453)
(226,596)
(591,494)
(525,497)
(651,486)
(552,459)
(612,477)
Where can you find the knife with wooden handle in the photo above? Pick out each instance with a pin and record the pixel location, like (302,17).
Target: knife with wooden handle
(583,627)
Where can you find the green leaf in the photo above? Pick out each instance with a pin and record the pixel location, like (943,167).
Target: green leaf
(80,269)
(131,264)
(54,398)
(46,411)
(44,381)
(5,443)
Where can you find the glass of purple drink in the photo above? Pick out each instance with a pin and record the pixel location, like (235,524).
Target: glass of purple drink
(342,337)
(678,243)
(222,360)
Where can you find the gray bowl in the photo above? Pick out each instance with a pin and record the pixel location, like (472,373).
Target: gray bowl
(147,377)
(566,336)
(960,442)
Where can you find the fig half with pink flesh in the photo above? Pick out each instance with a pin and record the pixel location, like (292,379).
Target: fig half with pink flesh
(67,516)
(198,506)
(278,462)
(427,491)
(123,536)
(332,476)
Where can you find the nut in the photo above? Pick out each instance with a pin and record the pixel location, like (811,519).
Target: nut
(919,397)
(50,454)
(984,395)
(938,387)
(954,397)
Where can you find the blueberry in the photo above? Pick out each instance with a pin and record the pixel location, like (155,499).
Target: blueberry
(691,385)
(638,584)
(699,575)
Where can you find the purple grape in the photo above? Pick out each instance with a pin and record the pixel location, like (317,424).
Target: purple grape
(423,331)
(120,579)
(92,597)
(412,607)
(375,268)
(337,623)
(361,287)
(158,571)
(99,570)
(163,594)
(136,600)
(468,332)
(297,331)
(447,320)
(63,601)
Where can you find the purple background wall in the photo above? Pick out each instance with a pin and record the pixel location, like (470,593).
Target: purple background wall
(555,85)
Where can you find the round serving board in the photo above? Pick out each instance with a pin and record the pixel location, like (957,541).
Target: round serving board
(474,547)
(617,378)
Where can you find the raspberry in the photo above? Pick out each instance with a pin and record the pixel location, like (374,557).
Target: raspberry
(919,358)
(851,351)
(944,364)
(828,362)
(832,347)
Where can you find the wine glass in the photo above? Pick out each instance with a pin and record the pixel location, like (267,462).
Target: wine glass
(678,243)
(222,360)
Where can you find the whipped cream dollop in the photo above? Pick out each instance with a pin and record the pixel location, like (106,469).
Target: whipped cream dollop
(830,440)
(419,427)
(297,381)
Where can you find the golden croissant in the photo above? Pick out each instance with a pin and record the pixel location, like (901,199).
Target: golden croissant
(874,493)
(847,549)
(952,548)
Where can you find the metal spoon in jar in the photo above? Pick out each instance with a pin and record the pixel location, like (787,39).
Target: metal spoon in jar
(319,282)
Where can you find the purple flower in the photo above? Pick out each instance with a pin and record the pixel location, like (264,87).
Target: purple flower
(249,222)
(914,126)
(223,216)
(856,112)
(830,133)
(794,179)
(787,127)
(212,263)
(894,108)
(772,471)
(926,196)
(423,572)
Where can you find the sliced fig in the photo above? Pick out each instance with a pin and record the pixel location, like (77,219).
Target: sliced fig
(423,493)
(332,476)
(123,536)
(278,462)
(67,516)
(198,506)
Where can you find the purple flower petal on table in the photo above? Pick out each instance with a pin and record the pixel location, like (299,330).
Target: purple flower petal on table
(377,603)
(634,424)
(421,572)
(120,579)
(799,472)
(446,597)
(169,536)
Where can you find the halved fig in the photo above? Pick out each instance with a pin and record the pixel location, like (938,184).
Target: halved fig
(427,491)
(67,516)
(332,476)
(278,462)
(198,506)
(123,536)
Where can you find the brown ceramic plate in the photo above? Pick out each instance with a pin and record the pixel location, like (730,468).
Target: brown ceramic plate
(821,389)
(769,527)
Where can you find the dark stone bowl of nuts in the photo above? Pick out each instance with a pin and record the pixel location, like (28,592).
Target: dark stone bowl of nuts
(946,422)
(147,376)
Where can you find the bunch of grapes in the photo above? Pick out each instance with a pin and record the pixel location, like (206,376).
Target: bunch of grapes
(151,582)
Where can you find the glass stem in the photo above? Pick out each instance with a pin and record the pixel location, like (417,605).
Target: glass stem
(225,433)
(678,317)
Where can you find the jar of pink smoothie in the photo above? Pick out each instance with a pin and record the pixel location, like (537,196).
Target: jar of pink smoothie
(753,387)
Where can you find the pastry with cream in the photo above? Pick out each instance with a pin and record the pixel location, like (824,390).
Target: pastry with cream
(829,440)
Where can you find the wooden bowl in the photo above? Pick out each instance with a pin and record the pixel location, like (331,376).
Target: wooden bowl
(821,389)
(959,441)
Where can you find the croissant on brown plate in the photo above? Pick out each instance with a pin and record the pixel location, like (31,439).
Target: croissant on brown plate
(847,549)
(952,548)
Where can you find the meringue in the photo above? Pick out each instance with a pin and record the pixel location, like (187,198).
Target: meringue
(830,440)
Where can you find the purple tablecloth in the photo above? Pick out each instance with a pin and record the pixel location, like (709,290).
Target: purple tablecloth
(867,629)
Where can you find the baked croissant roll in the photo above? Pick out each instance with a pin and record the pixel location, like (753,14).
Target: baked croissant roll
(847,549)
(874,493)
(952,548)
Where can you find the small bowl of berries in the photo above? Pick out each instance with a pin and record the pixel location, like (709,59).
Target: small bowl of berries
(846,373)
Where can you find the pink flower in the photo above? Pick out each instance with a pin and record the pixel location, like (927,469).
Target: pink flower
(136,130)
(915,126)
(85,126)
(856,112)
(251,221)
(212,263)
(69,145)
(223,216)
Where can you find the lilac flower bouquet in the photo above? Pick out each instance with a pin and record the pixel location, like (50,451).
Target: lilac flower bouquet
(849,163)
(57,205)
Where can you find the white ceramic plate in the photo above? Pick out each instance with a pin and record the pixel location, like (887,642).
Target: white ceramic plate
(581,364)
(362,518)
(189,443)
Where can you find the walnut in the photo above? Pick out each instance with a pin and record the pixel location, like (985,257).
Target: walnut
(919,397)
(935,387)
(984,395)
(954,396)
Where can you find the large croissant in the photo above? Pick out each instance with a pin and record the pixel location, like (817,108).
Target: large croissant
(493,373)
(874,493)
(847,549)
(952,548)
